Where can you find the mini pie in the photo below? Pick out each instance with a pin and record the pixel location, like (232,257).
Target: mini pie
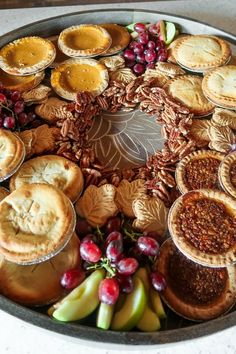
(84,41)
(187,89)
(3,193)
(60,57)
(171,48)
(202,224)
(21,83)
(79,75)
(26,56)
(36,222)
(202,52)
(12,152)
(119,35)
(219,86)
(50,169)
(227,174)
(193,291)
(38,284)
(198,170)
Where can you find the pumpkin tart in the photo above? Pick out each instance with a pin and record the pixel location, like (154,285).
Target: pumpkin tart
(120,38)
(60,57)
(21,83)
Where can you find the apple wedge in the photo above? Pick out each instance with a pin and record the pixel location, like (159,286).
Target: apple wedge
(104,316)
(81,302)
(157,304)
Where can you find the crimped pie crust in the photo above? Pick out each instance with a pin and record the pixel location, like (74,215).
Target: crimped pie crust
(60,56)
(50,169)
(38,284)
(84,75)
(195,312)
(88,40)
(219,86)
(119,35)
(3,193)
(12,151)
(196,155)
(21,83)
(36,222)
(188,90)
(224,174)
(202,52)
(26,56)
(208,259)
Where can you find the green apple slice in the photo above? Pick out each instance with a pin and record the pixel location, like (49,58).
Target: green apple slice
(157,304)
(170,32)
(149,322)
(132,310)
(162,30)
(143,275)
(130,27)
(82,301)
(104,316)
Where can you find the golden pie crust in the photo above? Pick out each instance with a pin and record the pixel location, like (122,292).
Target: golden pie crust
(200,307)
(21,83)
(60,57)
(218,258)
(119,35)
(226,176)
(76,75)
(38,284)
(218,86)
(36,222)
(187,89)
(203,156)
(12,152)
(85,40)
(3,193)
(202,52)
(27,56)
(50,169)
(171,48)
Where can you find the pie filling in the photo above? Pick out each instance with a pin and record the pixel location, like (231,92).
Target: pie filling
(233,174)
(196,284)
(13,80)
(26,55)
(202,173)
(207,225)
(83,39)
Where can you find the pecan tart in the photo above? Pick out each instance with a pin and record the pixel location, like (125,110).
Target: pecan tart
(193,291)
(198,170)
(202,224)
(50,169)
(75,75)
(21,83)
(36,222)
(227,174)
(38,284)
(26,56)
(84,41)
(120,38)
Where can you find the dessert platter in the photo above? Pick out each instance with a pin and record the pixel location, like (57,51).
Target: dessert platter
(118,176)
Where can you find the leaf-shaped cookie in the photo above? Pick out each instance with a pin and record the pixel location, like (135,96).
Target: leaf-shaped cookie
(222,138)
(37,95)
(53,110)
(161,78)
(151,215)
(113,63)
(224,117)
(97,204)
(198,131)
(127,192)
(169,69)
(124,75)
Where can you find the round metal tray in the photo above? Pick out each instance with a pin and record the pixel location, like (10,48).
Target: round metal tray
(176,329)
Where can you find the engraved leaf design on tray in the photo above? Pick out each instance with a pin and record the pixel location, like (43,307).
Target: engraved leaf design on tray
(151,215)
(97,204)
(222,138)
(224,117)
(127,192)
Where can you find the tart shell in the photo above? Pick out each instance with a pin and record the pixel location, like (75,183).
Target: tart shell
(120,38)
(224,174)
(21,83)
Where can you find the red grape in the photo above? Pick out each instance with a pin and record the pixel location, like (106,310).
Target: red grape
(72,278)
(127,266)
(15,96)
(140,58)
(9,122)
(114,235)
(125,282)
(159,45)
(143,38)
(153,29)
(153,234)
(150,66)
(129,63)
(138,69)
(90,252)
(150,55)
(90,237)
(31,116)
(139,27)
(138,48)
(132,44)
(114,250)
(162,55)
(113,224)
(22,118)
(148,246)
(18,107)
(158,281)
(129,54)
(151,45)
(82,227)
(108,291)
(3,98)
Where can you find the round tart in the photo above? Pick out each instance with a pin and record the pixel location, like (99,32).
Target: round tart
(119,35)
(187,89)
(36,222)
(227,174)
(60,57)
(3,193)
(38,284)
(26,56)
(202,52)
(202,224)
(12,152)
(84,41)
(219,86)
(50,169)
(193,291)
(21,83)
(76,75)
(198,170)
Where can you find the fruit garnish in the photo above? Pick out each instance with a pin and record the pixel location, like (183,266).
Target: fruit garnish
(90,252)
(72,278)
(108,291)
(104,316)
(148,246)
(158,281)
(170,32)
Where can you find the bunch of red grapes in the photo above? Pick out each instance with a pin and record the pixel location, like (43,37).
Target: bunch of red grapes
(13,112)
(119,256)
(147,49)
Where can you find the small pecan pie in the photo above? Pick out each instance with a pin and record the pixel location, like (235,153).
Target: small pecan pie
(202,224)
(193,291)
(227,174)
(198,170)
